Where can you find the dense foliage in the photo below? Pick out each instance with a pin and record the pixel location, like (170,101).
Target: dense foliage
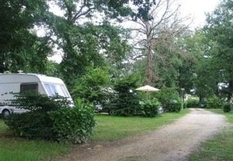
(150,108)
(215,102)
(96,49)
(170,99)
(20,47)
(51,119)
(73,125)
(191,102)
(219,31)
(227,107)
(92,87)
(125,99)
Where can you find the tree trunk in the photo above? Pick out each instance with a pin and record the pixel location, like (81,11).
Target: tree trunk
(230,90)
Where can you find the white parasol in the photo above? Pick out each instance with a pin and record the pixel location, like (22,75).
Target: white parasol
(147,88)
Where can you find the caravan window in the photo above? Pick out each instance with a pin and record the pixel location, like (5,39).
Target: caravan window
(29,87)
(56,89)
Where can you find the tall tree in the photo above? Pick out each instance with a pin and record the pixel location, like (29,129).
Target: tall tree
(220,30)
(86,40)
(196,73)
(161,25)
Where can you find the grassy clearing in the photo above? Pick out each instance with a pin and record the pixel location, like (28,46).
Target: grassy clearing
(110,128)
(218,148)
(21,150)
(15,149)
(3,127)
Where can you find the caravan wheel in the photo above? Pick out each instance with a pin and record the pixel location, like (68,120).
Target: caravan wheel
(5,113)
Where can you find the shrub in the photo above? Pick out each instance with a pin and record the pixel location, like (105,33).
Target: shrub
(215,102)
(91,86)
(170,100)
(125,100)
(227,107)
(73,125)
(36,122)
(31,125)
(51,120)
(166,94)
(192,103)
(150,108)
(173,106)
(34,101)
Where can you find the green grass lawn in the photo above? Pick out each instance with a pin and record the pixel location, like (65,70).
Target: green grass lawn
(16,149)
(108,128)
(219,148)
(3,127)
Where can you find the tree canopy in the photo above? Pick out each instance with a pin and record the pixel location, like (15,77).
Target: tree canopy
(90,34)
(219,31)
(20,48)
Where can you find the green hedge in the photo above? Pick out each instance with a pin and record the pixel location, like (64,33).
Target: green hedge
(150,108)
(215,102)
(170,99)
(31,125)
(73,125)
(192,103)
(52,120)
(173,106)
(227,107)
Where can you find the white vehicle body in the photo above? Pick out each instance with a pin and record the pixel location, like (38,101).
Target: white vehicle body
(20,82)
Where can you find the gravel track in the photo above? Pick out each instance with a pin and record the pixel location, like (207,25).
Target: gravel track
(173,142)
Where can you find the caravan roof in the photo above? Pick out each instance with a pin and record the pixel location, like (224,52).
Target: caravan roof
(27,77)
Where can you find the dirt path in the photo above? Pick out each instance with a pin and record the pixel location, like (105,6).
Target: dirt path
(172,142)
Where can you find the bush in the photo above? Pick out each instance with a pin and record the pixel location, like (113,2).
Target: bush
(31,125)
(90,87)
(73,125)
(227,107)
(36,122)
(125,100)
(173,106)
(33,101)
(215,102)
(51,120)
(150,108)
(192,103)
(170,100)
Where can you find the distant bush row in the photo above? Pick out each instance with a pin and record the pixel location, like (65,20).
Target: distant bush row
(212,102)
(124,101)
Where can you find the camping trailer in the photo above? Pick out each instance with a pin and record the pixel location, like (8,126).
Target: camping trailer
(20,82)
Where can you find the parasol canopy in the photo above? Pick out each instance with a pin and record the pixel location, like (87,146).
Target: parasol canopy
(147,88)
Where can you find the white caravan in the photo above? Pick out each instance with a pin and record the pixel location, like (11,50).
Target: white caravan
(20,82)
